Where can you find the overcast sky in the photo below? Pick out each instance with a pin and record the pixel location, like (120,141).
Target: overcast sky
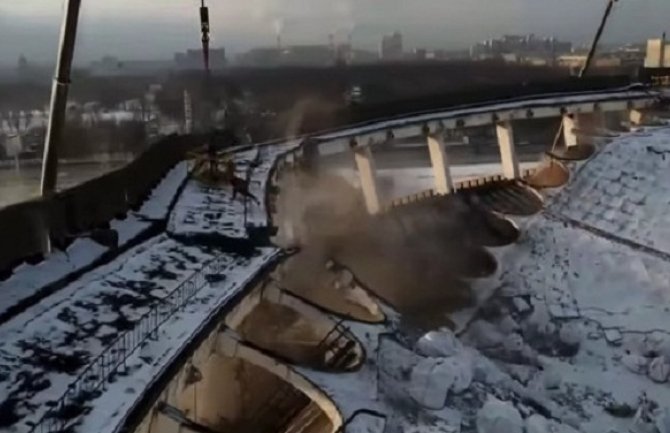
(154,29)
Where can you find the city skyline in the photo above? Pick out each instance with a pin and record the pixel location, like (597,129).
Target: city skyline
(137,30)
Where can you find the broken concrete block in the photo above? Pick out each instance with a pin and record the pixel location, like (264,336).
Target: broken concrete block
(499,417)
(613,337)
(635,363)
(659,369)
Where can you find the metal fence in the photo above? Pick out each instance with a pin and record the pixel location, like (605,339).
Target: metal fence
(113,359)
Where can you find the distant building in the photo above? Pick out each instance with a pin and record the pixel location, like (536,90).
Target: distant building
(577,61)
(194,59)
(523,48)
(294,55)
(658,54)
(392,48)
(110,66)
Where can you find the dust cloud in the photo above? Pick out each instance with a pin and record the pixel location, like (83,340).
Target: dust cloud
(419,259)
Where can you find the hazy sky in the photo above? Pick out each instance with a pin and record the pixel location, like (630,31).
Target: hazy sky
(153,29)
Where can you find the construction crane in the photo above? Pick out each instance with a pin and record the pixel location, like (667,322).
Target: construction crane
(596,39)
(204,26)
(589,59)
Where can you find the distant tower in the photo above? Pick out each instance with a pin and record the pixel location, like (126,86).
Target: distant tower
(661,60)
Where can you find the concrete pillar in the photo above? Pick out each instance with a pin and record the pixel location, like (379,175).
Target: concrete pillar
(570,127)
(636,117)
(368,176)
(510,163)
(438,157)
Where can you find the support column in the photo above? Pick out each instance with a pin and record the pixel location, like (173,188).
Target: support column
(570,127)
(636,117)
(368,176)
(510,163)
(438,157)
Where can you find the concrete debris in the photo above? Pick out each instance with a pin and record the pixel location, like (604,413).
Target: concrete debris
(508,325)
(484,335)
(430,382)
(537,424)
(659,369)
(440,343)
(635,363)
(613,337)
(552,379)
(662,420)
(497,416)
(520,304)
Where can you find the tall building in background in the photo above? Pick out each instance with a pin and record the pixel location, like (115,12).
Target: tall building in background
(658,54)
(391,48)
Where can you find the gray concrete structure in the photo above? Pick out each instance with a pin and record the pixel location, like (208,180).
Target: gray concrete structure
(510,163)
(368,177)
(440,162)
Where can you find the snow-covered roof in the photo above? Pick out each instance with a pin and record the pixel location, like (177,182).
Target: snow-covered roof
(75,335)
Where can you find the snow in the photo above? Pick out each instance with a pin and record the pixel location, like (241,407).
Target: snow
(129,228)
(27,280)
(440,343)
(157,205)
(659,369)
(146,365)
(623,191)
(430,383)
(207,210)
(44,348)
(499,417)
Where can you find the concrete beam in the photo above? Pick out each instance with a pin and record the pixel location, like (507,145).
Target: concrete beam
(438,157)
(510,162)
(368,177)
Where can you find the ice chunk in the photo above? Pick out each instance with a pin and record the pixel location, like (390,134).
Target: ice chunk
(440,343)
(537,424)
(430,383)
(499,417)
(635,363)
(659,369)
(433,378)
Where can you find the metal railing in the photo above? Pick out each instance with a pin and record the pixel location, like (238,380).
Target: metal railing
(113,359)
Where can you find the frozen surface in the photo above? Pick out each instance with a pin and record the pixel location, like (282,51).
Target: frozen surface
(27,280)
(51,342)
(46,347)
(202,209)
(625,190)
(145,365)
(130,228)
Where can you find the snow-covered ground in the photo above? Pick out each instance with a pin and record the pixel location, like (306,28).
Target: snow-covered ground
(572,332)
(28,280)
(206,210)
(44,348)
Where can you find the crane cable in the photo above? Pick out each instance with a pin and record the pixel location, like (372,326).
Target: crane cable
(589,60)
